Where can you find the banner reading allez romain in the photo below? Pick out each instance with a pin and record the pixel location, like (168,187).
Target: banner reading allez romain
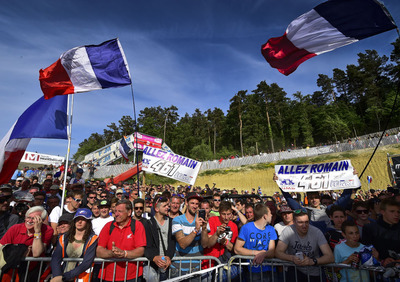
(317,177)
(170,165)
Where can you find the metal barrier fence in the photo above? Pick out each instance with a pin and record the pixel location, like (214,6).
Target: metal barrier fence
(287,271)
(237,269)
(195,264)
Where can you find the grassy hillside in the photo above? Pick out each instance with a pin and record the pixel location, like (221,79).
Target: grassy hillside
(248,177)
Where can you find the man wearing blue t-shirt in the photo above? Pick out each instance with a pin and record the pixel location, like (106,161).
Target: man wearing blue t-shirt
(187,230)
(257,239)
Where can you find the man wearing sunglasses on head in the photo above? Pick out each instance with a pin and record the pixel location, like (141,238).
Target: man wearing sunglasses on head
(6,218)
(75,200)
(302,244)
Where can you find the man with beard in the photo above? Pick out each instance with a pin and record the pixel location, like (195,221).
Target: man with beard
(187,231)
(160,244)
(302,244)
(138,210)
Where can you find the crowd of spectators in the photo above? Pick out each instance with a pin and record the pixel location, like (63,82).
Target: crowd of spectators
(160,222)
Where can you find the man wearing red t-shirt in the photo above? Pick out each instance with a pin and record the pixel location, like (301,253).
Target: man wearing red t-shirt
(221,233)
(121,243)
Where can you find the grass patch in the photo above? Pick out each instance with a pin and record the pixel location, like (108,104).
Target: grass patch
(348,155)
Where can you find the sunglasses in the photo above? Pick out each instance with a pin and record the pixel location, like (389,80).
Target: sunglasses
(77,200)
(92,197)
(217,200)
(299,211)
(161,199)
(362,211)
(139,208)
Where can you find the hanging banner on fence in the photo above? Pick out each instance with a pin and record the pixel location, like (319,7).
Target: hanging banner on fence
(170,165)
(317,177)
(37,158)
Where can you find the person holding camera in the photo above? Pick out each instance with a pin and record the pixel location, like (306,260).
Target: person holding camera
(220,235)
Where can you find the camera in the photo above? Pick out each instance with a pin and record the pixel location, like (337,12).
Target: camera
(227,229)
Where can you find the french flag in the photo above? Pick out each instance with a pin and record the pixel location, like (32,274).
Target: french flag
(43,119)
(86,68)
(328,26)
(124,149)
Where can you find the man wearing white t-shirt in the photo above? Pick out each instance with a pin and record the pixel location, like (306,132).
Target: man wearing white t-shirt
(98,223)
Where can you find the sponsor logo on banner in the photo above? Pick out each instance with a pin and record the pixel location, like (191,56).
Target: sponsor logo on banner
(170,165)
(36,158)
(146,140)
(317,177)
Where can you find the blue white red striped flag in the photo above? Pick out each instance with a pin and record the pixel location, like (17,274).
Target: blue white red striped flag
(369,178)
(124,149)
(43,119)
(328,26)
(86,68)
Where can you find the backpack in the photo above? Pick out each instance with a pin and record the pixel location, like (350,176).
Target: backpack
(133,226)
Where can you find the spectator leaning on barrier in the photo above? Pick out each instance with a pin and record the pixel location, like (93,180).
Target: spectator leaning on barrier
(187,228)
(301,244)
(220,235)
(78,242)
(384,234)
(33,233)
(117,240)
(334,235)
(160,242)
(345,253)
(258,239)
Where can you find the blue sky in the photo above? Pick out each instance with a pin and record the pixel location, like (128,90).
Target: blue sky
(191,54)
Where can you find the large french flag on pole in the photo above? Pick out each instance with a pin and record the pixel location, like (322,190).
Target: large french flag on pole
(328,26)
(86,68)
(43,119)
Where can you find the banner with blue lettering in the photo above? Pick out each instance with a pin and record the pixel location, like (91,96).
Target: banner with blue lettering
(317,177)
(170,165)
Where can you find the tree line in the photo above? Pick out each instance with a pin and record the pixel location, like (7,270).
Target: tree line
(351,102)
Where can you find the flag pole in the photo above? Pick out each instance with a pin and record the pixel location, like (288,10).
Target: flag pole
(136,137)
(69,131)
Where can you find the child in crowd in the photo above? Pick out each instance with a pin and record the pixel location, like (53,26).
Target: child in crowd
(346,253)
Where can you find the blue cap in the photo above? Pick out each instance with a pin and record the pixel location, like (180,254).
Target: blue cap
(83,212)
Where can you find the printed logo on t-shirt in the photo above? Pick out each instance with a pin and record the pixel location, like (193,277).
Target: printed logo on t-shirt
(306,249)
(129,236)
(261,240)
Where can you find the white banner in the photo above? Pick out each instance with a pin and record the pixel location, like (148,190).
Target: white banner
(170,165)
(317,177)
(36,158)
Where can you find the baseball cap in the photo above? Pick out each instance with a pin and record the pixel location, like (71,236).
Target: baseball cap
(113,187)
(105,203)
(119,191)
(66,217)
(55,187)
(20,179)
(83,212)
(285,208)
(193,195)
(79,170)
(5,187)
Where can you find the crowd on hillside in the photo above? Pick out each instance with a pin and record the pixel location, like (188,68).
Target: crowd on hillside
(160,222)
